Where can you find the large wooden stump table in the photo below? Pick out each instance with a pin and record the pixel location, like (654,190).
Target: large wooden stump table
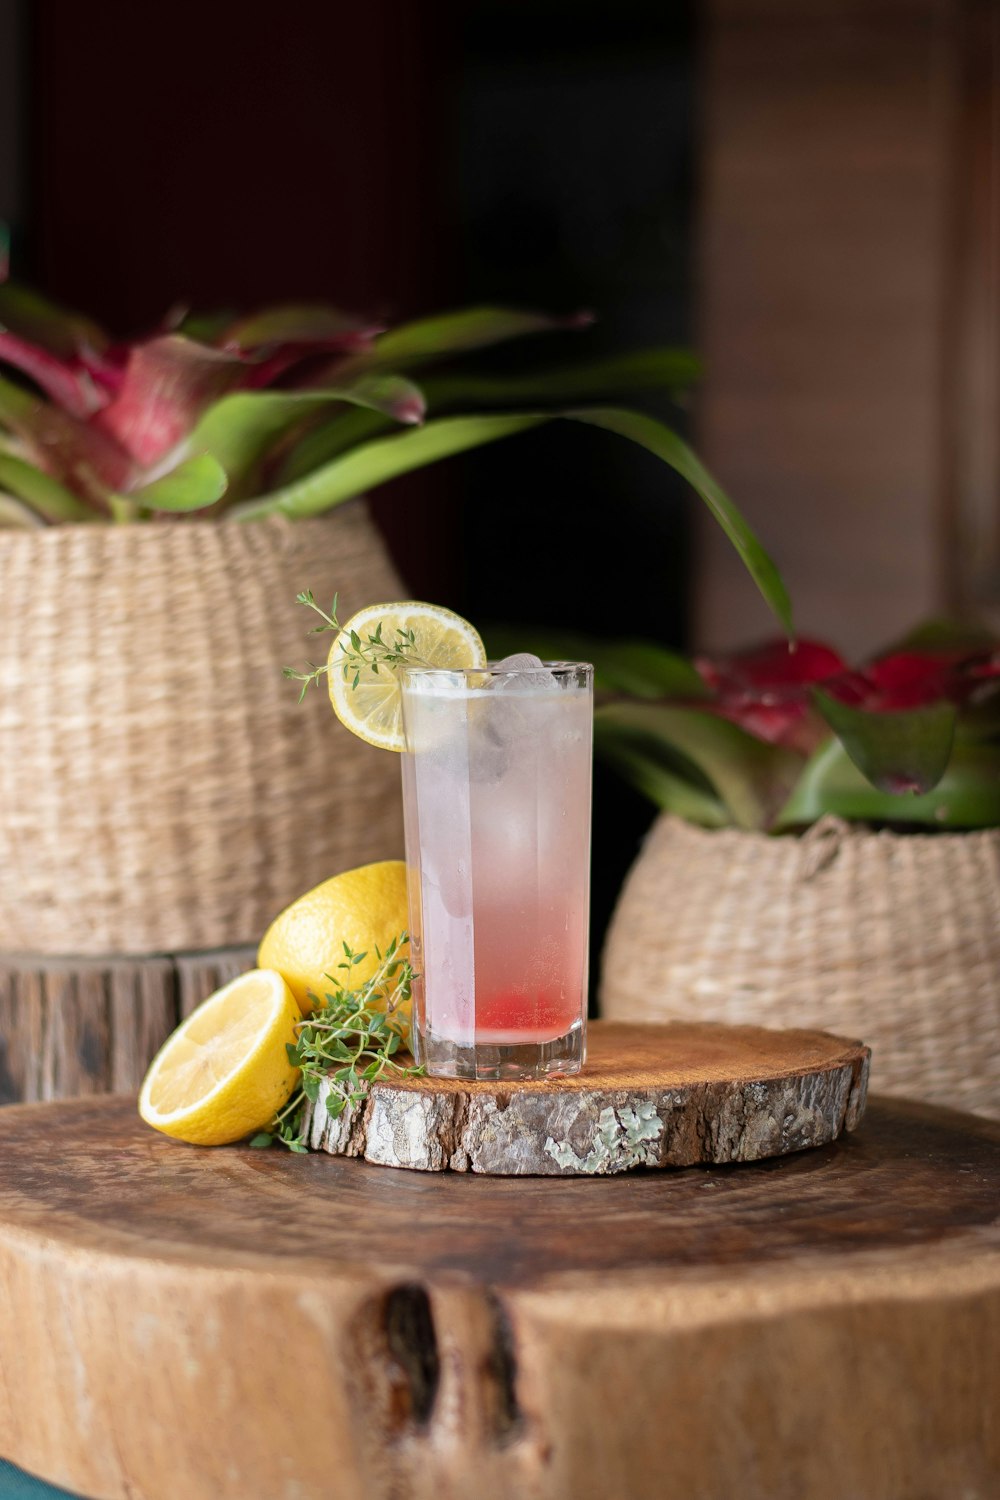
(249,1325)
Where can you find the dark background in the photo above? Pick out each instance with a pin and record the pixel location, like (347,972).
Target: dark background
(394,159)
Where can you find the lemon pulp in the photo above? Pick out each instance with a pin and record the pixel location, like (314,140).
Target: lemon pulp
(368,702)
(225,1070)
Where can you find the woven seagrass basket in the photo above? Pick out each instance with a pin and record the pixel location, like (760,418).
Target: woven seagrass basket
(891,937)
(160,789)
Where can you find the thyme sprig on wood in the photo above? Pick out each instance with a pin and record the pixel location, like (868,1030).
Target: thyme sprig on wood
(346,1043)
(357,653)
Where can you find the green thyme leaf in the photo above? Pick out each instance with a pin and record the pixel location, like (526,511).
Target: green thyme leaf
(355,655)
(350,1040)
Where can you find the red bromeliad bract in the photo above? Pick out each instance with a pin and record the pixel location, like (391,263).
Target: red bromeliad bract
(920,721)
(781,736)
(766,689)
(778,677)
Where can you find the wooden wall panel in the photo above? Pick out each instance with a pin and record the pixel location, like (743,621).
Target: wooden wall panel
(972,353)
(825,262)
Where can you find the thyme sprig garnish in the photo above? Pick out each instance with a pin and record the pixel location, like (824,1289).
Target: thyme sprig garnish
(345,1043)
(368,653)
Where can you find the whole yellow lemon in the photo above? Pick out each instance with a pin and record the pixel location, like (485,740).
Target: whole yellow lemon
(364,908)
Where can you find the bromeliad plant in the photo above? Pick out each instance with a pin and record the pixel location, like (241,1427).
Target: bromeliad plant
(774,738)
(295,410)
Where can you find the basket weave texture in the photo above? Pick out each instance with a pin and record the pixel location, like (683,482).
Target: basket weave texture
(891,938)
(160,788)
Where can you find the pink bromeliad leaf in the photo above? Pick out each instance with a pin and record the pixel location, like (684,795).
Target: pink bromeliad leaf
(303,324)
(107,366)
(79,455)
(69,383)
(167,383)
(311,363)
(62,352)
(280,338)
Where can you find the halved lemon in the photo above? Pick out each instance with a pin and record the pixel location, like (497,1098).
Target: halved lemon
(368,702)
(225,1071)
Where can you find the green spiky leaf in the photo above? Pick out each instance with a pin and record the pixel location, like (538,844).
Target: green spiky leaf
(453,333)
(375,463)
(666,445)
(330,438)
(44,495)
(967,795)
(241,429)
(588,379)
(750,779)
(385,458)
(290,323)
(899,751)
(659,773)
(640,668)
(646,369)
(16,516)
(193,485)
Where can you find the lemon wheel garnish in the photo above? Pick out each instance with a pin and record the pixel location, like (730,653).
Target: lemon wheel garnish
(368,702)
(225,1071)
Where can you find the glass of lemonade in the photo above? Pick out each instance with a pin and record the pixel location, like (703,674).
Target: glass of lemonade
(496,799)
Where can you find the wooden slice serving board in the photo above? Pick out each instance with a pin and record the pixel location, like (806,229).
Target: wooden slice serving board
(649,1096)
(248,1325)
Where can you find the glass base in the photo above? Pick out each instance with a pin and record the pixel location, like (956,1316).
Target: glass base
(503,1060)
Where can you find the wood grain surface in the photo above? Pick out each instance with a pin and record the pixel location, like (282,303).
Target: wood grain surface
(73,1026)
(649,1096)
(227,1324)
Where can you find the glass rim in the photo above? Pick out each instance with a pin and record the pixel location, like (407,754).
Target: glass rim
(493,669)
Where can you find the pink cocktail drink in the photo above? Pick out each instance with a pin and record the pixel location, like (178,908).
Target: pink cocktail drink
(496,792)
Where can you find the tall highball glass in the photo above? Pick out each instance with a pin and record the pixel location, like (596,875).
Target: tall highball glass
(496,799)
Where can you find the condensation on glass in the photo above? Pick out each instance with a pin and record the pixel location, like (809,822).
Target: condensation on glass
(496,796)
